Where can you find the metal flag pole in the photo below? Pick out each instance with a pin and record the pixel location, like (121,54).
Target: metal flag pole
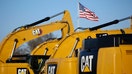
(131,22)
(78,14)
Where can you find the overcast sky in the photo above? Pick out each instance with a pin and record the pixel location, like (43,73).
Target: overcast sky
(15,13)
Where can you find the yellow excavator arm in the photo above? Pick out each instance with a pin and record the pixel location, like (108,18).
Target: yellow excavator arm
(30,32)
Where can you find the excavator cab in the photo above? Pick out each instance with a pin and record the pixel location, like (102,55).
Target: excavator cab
(106,55)
(36,62)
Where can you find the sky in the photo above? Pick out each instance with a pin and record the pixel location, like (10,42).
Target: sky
(15,13)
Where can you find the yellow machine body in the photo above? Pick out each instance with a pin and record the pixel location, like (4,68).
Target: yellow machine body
(115,60)
(16,68)
(112,60)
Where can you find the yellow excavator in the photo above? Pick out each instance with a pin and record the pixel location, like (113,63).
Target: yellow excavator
(93,51)
(87,51)
(12,64)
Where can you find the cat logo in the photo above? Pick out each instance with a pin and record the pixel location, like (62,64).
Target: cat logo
(37,32)
(22,71)
(86,63)
(52,69)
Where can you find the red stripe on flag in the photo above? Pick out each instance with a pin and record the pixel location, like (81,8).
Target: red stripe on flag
(86,13)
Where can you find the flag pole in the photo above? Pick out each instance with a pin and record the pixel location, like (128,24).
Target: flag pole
(78,25)
(131,22)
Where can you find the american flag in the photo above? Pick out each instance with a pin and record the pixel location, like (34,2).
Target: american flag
(86,13)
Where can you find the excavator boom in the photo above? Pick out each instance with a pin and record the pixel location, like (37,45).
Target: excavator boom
(10,63)
(30,32)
